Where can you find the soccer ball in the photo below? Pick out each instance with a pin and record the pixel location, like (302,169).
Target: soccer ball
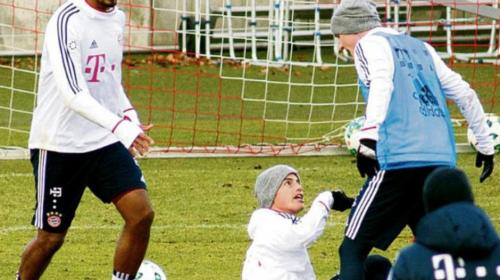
(351,137)
(493,122)
(150,271)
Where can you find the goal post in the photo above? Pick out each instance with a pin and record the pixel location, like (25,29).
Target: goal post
(245,77)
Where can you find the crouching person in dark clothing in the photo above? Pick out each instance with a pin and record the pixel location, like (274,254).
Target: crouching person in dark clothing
(455,239)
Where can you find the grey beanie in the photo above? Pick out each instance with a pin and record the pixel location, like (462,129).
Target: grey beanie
(446,185)
(354,16)
(269,181)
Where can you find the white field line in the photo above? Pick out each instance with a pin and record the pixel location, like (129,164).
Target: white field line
(23,228)
(6,175)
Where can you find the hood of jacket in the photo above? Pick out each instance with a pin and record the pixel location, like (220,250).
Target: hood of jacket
(460,229)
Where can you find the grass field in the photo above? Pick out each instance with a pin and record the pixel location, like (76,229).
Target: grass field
(202,207)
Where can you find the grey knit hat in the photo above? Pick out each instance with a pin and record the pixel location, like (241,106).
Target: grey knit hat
(354,16)
(269,181)
(446,185)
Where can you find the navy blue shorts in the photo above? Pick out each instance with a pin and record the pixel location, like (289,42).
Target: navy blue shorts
(387,202)
(61,179)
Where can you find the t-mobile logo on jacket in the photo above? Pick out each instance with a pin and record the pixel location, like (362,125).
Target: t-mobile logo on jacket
(96,64)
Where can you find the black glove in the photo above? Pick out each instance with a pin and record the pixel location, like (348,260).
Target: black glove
(366,158)
(341,201)
(488,162)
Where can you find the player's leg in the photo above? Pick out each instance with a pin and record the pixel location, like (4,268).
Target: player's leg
(118,179)
(138,214)
(353,251)
(38,253)
(419,211)
(378,215)
(58,187)
(353,254)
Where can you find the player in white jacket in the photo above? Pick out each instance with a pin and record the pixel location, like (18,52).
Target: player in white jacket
(279,237)
(83,134)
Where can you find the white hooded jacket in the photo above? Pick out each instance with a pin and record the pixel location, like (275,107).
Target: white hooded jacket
(280,242)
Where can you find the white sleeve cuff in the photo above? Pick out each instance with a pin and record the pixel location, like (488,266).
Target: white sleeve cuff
(132,115)
(368,133)
(126,132)
(326,199)
(87,106)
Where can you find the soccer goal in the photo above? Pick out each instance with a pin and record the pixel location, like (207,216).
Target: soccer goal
(245,77)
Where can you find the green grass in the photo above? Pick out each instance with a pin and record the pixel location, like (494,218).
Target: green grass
(202,207)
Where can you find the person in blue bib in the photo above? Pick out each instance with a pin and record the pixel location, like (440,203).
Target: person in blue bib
(407,133)
(455,239)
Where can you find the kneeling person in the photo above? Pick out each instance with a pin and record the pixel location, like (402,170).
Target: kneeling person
(280,238)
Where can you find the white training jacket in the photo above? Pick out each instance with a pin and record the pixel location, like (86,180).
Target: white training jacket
(376,68)
(280,241)
(81,104)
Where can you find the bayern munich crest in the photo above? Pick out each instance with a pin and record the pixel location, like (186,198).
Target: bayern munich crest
(54,219)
